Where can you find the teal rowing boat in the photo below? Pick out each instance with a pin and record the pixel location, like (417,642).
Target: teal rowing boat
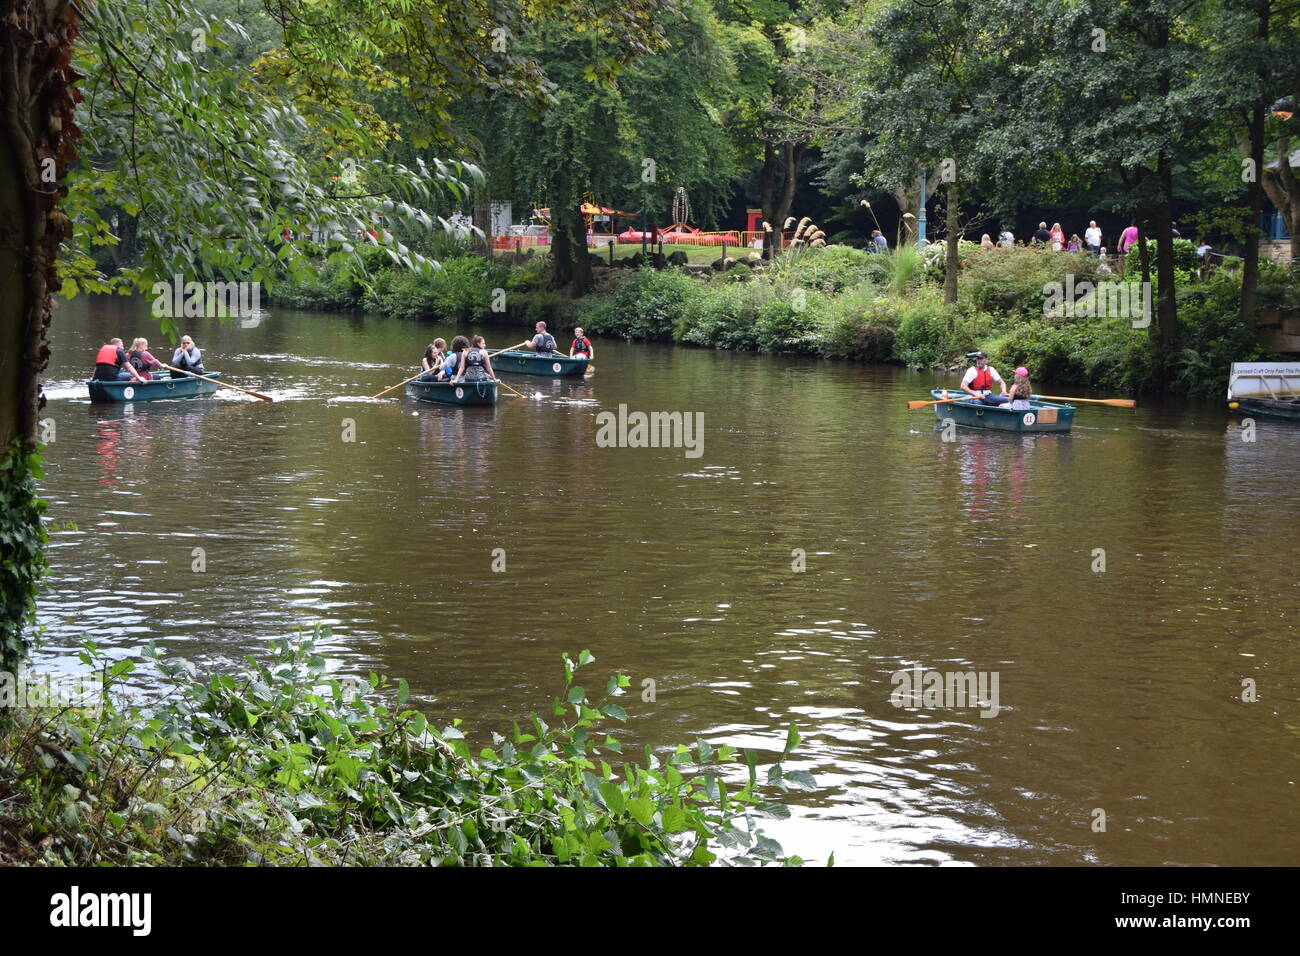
(445,393)
(1041,416)
(530,363)
(161,386)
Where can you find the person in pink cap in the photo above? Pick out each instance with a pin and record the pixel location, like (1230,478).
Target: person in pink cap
(1020,391)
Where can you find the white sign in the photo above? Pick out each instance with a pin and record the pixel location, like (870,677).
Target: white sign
(1276,380)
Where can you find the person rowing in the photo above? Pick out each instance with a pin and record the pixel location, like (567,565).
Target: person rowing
(979,378)
(543,342)
(112,364)
(477,366)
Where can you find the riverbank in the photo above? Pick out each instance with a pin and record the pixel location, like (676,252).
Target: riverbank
(843,303)
(285,765)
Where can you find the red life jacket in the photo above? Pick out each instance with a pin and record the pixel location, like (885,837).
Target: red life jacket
(983,380)
(581,345)
(107,355)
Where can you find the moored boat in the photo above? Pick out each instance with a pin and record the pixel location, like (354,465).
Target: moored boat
(1265,388)
(445,393)
(159,387)
(1041,416)
(1267,406)
(530,363)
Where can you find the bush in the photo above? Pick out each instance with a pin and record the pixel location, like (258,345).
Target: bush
(856,325)
(724,316)
(788,323)
(831,269)
(1184,254)
(282,765)
(925,336)
(1011,281)
(644,305)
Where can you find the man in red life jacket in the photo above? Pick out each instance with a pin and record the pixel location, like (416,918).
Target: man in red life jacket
(979,378)
(113,365)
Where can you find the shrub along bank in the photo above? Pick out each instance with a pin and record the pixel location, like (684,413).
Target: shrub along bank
(282,765)
(845,303)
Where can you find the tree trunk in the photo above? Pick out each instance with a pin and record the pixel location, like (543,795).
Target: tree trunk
(1254,191)
(580,279)
(36,145)
(1167,307)
(767,200)
(951,261)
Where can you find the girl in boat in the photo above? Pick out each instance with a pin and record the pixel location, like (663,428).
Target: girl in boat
(452,364)
(141,360)
(1020,391)
(434,356)
(476,367)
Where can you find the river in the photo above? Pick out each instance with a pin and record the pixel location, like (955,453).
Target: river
(1119,690)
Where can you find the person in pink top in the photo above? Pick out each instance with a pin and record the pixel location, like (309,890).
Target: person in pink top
(1057,237)
(1128,238)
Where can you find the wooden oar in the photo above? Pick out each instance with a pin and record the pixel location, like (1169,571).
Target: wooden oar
(506,349)
(509,389)
(215,381)
(1115,402)
(398,385)
(941,401)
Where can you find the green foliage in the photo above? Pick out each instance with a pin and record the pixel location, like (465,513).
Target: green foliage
(1010,281)
(1184,254)
(644,305)
(22,550)
(214,164)
(283,765)
(723,316)
(831,269)
(925,336)
(789,323)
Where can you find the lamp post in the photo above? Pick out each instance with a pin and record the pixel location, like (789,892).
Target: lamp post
(920,220)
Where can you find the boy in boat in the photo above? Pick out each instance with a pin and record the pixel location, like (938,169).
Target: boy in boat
(112,364)
(543,342)
(434,356)
(979,378)
(581,347)
(1021,391)
(187,357)
(141,360)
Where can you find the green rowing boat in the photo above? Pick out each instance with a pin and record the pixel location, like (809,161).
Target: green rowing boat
(161,386)
(1041,416)
(530,363)
(445,393)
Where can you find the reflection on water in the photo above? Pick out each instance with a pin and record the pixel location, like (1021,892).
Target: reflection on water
(1120,690)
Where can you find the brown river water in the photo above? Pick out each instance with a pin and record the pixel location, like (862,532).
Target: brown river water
(1118,690)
